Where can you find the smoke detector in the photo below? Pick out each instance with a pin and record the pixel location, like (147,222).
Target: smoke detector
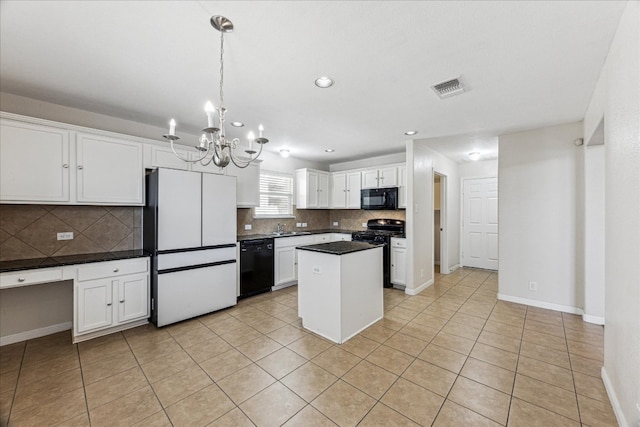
(449,88)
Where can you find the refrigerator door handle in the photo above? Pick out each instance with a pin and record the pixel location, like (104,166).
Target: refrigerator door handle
(195,267)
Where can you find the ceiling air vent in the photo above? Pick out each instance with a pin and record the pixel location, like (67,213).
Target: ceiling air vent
(449,88)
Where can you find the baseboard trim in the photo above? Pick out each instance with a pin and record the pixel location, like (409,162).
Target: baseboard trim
(541,304)
(615,403)
(419,289)
(453,268)
(35,333)
(593,319)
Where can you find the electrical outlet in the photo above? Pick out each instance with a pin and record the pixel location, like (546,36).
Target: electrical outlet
(533,286)
(65,236)
(316,270)
(335,223)
(248,226)
(298,224)
(304,224)
(364,224)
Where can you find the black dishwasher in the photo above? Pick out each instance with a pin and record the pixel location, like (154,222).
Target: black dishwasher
(256,267)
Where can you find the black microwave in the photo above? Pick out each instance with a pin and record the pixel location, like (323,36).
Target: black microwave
(379,198)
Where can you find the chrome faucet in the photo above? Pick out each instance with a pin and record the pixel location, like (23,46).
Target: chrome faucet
(280,228)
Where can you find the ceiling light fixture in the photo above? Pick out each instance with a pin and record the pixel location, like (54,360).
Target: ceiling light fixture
(214,146)
(329,150)
(474,155)
(324,82)
(411,132)
(285,153)
(237,124)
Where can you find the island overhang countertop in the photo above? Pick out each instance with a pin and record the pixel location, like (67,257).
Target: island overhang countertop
(338,248)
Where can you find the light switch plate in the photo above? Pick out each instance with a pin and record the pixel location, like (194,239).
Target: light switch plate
(335,223)
(248,226)
(65,236)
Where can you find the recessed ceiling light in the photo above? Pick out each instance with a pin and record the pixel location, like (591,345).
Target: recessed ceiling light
(411,132)
(284,153)
(329,150)
(474,155)
(324,82)
(237,124)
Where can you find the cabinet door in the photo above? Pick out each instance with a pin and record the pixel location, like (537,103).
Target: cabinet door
(402,186)
(398,266)
(163,157)
(313,192)
(338,191)
(94,301)
(388,177)
(109,170)
(285,268)
(353,190)
(133,298)
(247,184)
(323,194)
(34,162)
(370,178)
(218,209)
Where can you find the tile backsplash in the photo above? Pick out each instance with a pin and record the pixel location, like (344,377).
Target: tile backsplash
(30,231)
(316,219)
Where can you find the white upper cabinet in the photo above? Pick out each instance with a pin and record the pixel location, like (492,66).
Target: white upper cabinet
(247,184)
(34,163)
(345,190)
(109,171)
(53,165)
(312,189)
(380,177)
(163,157)
(402,186)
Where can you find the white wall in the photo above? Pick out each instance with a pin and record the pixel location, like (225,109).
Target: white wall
(594,206)
(617,97)
(537,181)
(481,169)
(422,161)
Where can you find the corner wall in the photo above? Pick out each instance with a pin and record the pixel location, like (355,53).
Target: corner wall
(539,174)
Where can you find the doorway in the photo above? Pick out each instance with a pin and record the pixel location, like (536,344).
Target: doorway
(480,223)
(440,263)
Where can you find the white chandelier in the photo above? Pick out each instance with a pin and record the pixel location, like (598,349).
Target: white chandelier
(213,146)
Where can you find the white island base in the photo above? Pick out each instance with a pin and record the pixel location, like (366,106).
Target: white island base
(339,295)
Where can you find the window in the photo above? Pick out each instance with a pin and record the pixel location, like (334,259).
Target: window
(276,195)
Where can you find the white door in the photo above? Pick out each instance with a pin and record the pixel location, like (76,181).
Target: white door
(323,190)
(285,268)
(388,177)
(480,223)
(399,266)
(313,190)
(94,305)
(370,178)
(34,162)
(179,209)
(133,298)
(353,190)
(218,210)
(338,190)
(109,170)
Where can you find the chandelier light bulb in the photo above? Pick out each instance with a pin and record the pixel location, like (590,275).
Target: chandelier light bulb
(172,127)
(209,109)
(260,129)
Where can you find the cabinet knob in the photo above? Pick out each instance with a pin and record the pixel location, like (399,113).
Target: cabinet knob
(66,166)
(21,279)
(108,304)
(80,167)
(121,301)
(116,270)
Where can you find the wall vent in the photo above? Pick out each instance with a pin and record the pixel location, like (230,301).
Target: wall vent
(449,88)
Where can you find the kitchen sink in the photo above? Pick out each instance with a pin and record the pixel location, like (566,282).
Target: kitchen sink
(291,233)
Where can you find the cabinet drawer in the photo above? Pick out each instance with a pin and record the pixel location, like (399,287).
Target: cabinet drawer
(30,277)
(398,242)
(112,268)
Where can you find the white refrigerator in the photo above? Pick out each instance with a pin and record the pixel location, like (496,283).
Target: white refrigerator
(190,230)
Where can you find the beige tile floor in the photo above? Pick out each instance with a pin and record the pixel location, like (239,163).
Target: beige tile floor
(451,356)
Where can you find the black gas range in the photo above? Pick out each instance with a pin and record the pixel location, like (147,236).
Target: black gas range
(381,231)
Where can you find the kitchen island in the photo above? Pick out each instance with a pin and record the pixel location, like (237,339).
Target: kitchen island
(340,287)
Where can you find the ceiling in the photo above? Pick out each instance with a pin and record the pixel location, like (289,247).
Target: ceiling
(525,64)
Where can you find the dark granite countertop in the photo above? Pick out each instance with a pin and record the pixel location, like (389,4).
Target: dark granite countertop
(339,248)
(291,234)
(29,264)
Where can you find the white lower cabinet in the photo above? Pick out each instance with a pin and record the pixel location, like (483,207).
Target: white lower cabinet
(285,269)
(398,261)
(113,296)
